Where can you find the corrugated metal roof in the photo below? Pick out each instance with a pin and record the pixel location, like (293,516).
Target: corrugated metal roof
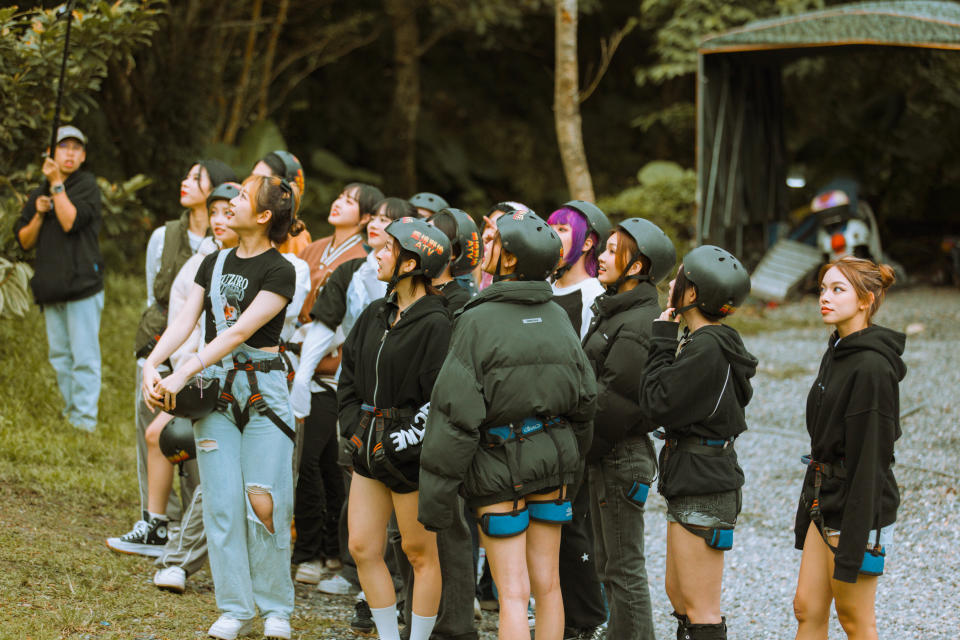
(909,23)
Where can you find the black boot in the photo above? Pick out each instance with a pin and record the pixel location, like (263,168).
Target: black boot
(682,622)
(717,631)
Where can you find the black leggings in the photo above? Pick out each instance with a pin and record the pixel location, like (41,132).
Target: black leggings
(320,491)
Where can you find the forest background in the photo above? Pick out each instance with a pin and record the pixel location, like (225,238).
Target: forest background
(450,96)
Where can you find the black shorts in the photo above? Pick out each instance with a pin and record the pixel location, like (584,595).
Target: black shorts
(409,471)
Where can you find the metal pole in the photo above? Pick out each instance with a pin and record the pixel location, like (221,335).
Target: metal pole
(68,10)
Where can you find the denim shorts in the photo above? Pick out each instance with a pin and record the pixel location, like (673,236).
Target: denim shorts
(706,510)
(886,535)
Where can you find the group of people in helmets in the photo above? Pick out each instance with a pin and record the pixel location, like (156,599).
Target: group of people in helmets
(411,383)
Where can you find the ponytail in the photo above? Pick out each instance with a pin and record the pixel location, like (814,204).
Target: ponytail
(280,198)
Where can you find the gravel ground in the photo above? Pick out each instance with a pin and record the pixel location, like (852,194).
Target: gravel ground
(919,596)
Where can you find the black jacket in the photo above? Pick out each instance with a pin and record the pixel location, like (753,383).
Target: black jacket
(392,367)
(513,355)
(456,296)
(331,305)
(68,265)
(853,418)
(616,346)
(701,391)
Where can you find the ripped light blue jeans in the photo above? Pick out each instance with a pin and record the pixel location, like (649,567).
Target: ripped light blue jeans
(250,565)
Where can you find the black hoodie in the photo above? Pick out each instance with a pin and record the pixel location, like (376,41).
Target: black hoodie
(699,391)
(853,417)
(392,367)
(68,264)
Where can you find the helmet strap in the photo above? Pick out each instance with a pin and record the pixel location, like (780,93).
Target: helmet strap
(639,277)
(397,276)
(692,305)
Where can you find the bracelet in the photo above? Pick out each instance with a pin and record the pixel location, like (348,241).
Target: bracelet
(201,360)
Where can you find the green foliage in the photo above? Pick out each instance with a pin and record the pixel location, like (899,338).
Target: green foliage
(31,50)
(680,25)
(664,195)
(126,222)
(15,294)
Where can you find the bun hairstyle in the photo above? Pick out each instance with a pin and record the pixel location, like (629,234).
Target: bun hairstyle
(866,277)
(280,198)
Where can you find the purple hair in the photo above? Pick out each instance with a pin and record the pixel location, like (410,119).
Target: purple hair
(578,223)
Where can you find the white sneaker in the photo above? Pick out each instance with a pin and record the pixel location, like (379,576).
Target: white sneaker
(275,628)
(171,579)
(477,611)
(337,586)
(228,628)
(309,572)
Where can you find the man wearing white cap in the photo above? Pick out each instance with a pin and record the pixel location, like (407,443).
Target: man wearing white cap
(61,218)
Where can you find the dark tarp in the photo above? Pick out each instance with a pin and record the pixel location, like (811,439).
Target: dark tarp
(741,154)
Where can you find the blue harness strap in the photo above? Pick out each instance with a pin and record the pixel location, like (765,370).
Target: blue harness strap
(507,432)
(550,511)
(505,525)
(638,493)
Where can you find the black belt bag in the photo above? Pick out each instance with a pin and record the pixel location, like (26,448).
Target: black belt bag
(197,399)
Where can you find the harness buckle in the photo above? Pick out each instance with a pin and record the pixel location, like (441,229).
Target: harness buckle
(257,402)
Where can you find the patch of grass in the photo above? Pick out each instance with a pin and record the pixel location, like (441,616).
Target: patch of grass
(64,491)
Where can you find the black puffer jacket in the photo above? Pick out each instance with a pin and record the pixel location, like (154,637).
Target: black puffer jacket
(701,391)
(616,345)
(513,355)
(392,367)
(853,417)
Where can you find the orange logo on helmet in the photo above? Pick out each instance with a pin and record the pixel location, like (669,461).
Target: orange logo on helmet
(426,243)
(472,250)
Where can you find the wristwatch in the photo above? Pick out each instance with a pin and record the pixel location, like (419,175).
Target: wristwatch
(56,188)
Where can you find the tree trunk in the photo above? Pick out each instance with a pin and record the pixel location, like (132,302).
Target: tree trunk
(263,92)
(566,103)
(400,136)
(237,112)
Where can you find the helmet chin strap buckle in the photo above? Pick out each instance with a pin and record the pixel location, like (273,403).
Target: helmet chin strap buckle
(561,271)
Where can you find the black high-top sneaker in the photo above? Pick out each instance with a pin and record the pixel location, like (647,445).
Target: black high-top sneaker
(145,539)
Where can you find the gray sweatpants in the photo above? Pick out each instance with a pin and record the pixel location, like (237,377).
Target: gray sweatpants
(187,546)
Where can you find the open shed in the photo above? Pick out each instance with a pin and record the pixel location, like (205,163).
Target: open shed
(741,153)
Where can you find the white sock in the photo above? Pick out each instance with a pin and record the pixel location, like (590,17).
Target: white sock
(158,516)
(386,621)
(421,627)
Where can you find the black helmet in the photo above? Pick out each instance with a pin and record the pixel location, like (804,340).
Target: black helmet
(176,441)
(654,244)
(596,219)
(467,239)
(225,191)
(292,169)
(418,237)
(722,282)
(536,246)
(429,201)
